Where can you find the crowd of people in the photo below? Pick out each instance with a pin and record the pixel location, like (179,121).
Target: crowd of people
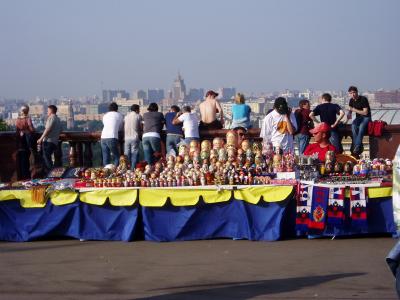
(282,127)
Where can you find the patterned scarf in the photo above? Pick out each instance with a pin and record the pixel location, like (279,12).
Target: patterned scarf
(319,209)
(336,213)
(358,208)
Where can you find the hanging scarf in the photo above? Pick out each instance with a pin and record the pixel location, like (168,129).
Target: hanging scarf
(319,209)
(336,206)
(303,208)
(358,208)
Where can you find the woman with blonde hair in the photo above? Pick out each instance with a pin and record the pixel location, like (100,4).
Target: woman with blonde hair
(240,113)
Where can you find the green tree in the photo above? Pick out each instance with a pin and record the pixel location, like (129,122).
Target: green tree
(3,125)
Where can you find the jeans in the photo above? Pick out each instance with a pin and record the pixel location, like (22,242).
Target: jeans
(48,149)
(358,128)
(393,260)
(131,150)
(150,146)
(110,147)
(336,141)
(172,141)
(189,139)
(302,142)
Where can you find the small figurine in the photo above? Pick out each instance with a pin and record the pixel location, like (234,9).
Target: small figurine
(218,143)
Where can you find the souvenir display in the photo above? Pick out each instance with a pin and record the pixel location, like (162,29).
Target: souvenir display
(220,163)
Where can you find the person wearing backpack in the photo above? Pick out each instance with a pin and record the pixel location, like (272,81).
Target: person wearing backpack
(304,124)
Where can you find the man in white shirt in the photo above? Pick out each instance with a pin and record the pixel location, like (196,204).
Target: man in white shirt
(132,128)
(279,126)
(113,122)
(190,124)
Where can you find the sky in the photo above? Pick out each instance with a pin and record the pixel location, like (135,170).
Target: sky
(52,48)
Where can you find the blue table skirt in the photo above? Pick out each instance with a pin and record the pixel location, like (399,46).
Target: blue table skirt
(379,217)
(233,219)
(77,220)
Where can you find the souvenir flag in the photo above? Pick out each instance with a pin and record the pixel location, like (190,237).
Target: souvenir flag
(303,209)
(336,206)
(319,208)
(358,208)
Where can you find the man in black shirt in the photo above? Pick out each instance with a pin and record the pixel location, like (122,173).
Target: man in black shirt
(359,105)
(327,112)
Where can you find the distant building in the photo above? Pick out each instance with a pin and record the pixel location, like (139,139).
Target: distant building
(37,110)
(70,116)
(195,95)
(109,95)
(155,95)
(90,109)
(179,89)
(140,94)
(387,97)
(226,93)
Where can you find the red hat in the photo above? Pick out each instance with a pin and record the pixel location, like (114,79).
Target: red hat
(321,127)
(211,93)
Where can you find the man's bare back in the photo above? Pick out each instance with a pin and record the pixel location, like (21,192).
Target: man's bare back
(208,110)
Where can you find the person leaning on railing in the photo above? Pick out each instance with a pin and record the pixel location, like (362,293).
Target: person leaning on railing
(153,122)
(113,122)
(50,136)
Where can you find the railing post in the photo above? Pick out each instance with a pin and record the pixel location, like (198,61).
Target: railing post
(79,153)
(58,155)
(88,155)
(72,154)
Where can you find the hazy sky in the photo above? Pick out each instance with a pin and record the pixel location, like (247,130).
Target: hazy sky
(53,48)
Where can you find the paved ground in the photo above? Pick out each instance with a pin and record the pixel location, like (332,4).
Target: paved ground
(218,269)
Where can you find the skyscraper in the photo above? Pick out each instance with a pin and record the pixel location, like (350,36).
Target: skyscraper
(179,89)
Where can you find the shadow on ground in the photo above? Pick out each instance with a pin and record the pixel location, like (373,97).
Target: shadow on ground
(247,289)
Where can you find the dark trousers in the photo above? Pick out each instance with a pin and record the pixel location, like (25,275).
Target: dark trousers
(48,150)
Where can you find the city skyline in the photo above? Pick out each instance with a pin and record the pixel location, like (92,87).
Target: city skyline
(74,48)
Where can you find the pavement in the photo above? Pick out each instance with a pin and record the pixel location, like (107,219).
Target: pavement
(352,268)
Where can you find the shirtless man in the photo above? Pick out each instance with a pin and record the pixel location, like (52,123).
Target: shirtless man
(208,111)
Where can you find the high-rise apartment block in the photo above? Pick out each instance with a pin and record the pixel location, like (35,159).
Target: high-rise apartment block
(109,95)
(155,95)
(140,94)
(195,95)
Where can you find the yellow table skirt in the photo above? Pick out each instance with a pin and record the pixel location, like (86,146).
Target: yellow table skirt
(267,193)
(26,201)
(158,197)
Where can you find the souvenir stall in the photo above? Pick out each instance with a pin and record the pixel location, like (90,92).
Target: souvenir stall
(213,189)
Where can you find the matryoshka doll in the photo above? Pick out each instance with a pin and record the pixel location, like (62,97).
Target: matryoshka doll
(222,156)
(245,145)
(231,139)
(205,149)
(217,143)
(183,150)
(194,147)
